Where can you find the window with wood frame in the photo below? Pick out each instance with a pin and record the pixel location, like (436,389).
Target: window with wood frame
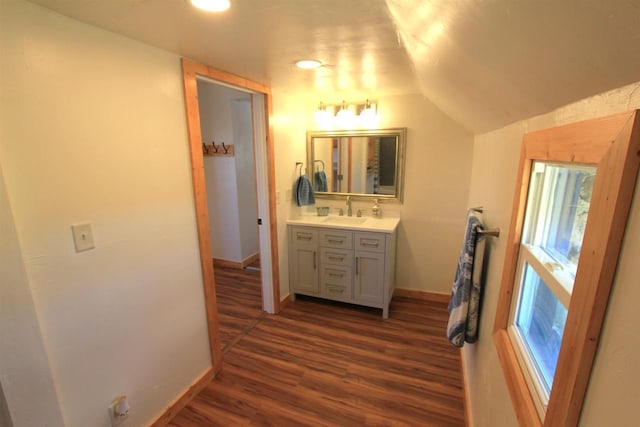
(573,194)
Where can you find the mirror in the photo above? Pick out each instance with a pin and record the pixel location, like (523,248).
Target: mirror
(362,163)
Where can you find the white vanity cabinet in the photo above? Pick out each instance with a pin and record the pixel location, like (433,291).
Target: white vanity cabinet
(343,265)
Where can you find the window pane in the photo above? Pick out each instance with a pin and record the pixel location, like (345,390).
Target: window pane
(540,319)
(559,198)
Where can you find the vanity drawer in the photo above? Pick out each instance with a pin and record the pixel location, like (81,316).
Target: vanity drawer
(336,239)
(370,242)
(335,282)
(336,256)
(302,235)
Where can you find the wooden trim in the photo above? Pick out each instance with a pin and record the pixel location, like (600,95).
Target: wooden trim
(219,262)
(273,224)
(613,144)
(466,401)
(189,70)
(285,302)
(423,295)
(349,161)
(183,400)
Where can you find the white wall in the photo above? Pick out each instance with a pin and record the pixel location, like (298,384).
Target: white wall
(225,116)
(246,177)
(437,174)
(93,129)
(27,392)
(612,389)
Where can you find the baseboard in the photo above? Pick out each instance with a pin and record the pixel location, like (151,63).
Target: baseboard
(219,262)
(465,389)
(285,302)
(250,259)
(184,399)
(423,295)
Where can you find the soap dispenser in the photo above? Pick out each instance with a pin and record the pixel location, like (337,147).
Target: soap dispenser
(376,211)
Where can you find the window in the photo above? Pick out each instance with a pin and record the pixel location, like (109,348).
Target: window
(555,220)
(570,207)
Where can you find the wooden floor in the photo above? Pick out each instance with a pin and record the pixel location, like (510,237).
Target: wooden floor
(325,364)
(239,297)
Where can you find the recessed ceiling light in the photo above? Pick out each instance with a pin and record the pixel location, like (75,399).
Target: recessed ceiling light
(308,64)
(212,5)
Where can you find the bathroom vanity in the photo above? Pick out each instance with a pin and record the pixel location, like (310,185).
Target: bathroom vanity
(343,258)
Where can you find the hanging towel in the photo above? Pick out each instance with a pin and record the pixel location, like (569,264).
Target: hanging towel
(303,191)
(465,294)
(320,181)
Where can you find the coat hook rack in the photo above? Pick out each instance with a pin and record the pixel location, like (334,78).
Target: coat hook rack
(214,150)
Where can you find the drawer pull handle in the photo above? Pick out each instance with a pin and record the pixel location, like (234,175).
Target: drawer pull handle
(336,241)
(336,275)
(335,258)
(335,290)
(369,243)
(357,262)
(314,260)
(299,237)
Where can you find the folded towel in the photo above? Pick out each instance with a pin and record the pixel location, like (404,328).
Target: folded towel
(304,192)
(320,181)
(465,294)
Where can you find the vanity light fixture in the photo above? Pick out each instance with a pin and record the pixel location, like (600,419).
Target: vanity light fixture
(368,116)
(212,5)
(362,115)
(308,64)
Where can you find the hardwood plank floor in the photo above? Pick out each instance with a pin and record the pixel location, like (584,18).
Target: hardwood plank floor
(327,364)
(239,297)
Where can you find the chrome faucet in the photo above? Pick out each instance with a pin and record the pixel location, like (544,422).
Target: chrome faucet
(349,211)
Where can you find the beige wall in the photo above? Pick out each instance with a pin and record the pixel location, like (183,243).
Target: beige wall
(437,172)
(612,390)
(93,129)
(27,392)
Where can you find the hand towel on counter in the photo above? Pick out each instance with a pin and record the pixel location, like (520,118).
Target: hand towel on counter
(303,191)
(465,294)
(320,181)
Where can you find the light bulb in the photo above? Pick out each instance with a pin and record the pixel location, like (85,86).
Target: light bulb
(212,5)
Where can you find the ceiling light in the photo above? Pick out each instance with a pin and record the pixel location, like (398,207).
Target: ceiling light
(308,64)
(212,5)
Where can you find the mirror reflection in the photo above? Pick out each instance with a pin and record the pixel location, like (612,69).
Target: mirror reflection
(363,163)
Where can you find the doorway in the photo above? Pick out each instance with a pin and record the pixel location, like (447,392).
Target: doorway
(260,101)
(226,127)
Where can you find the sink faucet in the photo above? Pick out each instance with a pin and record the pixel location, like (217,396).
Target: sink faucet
(349,211)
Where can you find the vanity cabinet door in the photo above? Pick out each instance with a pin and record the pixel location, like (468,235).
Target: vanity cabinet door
(369,277)
(304,259)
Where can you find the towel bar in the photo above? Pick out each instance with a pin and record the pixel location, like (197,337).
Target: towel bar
(493,232)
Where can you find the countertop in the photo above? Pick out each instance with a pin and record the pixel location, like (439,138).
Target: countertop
(379,225)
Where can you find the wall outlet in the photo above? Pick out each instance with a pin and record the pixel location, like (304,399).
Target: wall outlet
(119,410)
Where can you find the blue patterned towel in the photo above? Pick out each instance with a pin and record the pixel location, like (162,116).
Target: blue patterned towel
(465,294)
(304,192)
(320,181)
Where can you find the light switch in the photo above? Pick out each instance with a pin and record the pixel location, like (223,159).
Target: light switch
(277,197)
(83,236)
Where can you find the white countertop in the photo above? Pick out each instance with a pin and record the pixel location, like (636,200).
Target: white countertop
(380,225)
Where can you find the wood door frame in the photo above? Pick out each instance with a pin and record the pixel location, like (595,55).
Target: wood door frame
(190,71)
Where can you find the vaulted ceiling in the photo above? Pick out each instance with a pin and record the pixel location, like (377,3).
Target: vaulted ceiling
(486,63)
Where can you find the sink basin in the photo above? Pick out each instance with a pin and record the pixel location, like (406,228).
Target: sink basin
(346,220)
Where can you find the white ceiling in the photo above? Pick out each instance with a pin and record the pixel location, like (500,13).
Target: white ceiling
(486,63)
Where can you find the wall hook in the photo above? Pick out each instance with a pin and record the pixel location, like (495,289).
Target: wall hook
(215,149)
(226,150)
